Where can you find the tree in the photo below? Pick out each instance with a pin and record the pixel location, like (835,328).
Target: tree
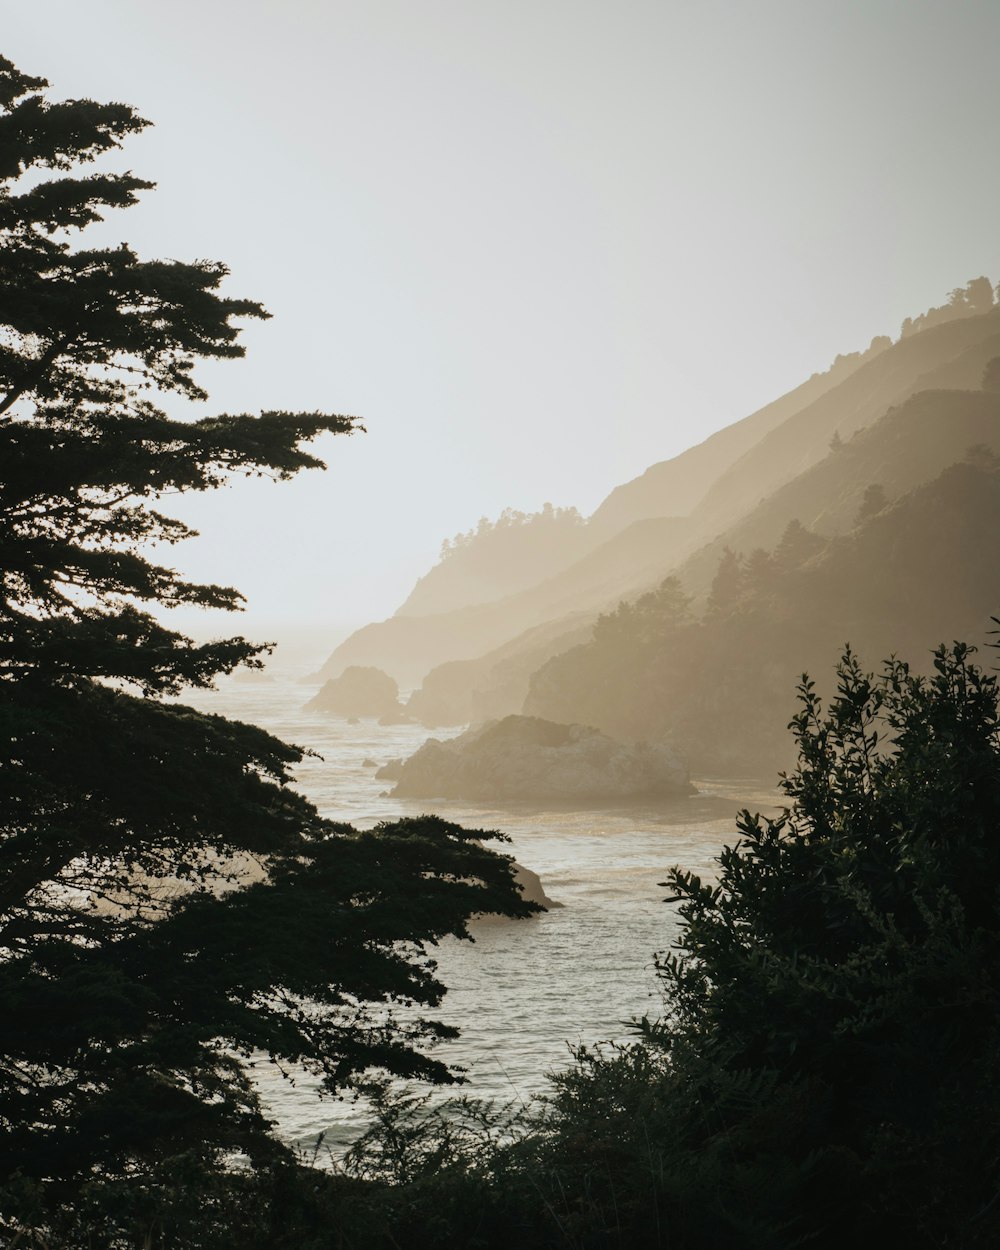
(759,570)
(872,503)
(844,967)
(647,621)
(728,584)
(796,545)
(991,375)
(976,296)
(168,905)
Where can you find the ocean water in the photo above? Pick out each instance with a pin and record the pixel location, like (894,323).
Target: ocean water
(525,992)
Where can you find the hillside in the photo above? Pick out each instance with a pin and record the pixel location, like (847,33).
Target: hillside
(675,487)
(720,686)
(953,354)
(411,646)
(756,490)
(494,685)
(499,559)
(909,445)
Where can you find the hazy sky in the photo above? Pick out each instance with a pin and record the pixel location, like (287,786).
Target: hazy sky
(538,245)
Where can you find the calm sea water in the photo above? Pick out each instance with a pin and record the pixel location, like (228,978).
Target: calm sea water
(526,991)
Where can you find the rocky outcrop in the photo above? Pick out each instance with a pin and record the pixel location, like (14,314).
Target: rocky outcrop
(358,691)
(531,887)
(524,758)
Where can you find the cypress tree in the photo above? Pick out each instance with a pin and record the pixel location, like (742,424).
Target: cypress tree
(168,904)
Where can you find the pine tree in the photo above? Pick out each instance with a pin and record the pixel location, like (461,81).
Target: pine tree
(728,585)
(168,905)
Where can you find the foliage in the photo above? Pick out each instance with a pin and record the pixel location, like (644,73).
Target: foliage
(872,501)
(974,299)
(511,519)
(714,685)
(646,617)
(844,360)
(168,905)
(849,952)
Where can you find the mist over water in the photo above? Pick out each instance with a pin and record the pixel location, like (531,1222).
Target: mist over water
(525,991)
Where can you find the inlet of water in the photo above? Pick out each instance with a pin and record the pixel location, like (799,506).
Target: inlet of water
(526,991)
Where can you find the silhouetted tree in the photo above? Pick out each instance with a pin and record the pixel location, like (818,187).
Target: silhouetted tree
(727,585)
(759,569)
(825,1071)
(834,994)
(511,519)
(167,904)
(647,619)
(976,295)
(797,545)
(872,501)
(991,375)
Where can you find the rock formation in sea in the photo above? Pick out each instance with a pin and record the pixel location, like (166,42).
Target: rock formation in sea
(359,691)
(530,759)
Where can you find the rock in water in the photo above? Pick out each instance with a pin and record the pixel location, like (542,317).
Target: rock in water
(358,691)
(526,758)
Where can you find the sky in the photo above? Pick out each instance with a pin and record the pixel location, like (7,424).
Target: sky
(536,245)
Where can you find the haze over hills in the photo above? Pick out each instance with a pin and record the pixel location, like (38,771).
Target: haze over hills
(507,605)
(904,448)
(720,684)
(497,559)
(953,353)
(686,479)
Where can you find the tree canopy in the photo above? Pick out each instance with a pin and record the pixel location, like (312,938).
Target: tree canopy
(168,904)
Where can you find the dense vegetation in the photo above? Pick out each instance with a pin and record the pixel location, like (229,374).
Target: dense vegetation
(498,558)
(714,681)
(168,905)
(487,531)
(964,301)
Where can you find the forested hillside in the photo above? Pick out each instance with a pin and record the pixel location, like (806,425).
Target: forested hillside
(951,354)
(499,558)
(836,514)
(717,683)
(909,445)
